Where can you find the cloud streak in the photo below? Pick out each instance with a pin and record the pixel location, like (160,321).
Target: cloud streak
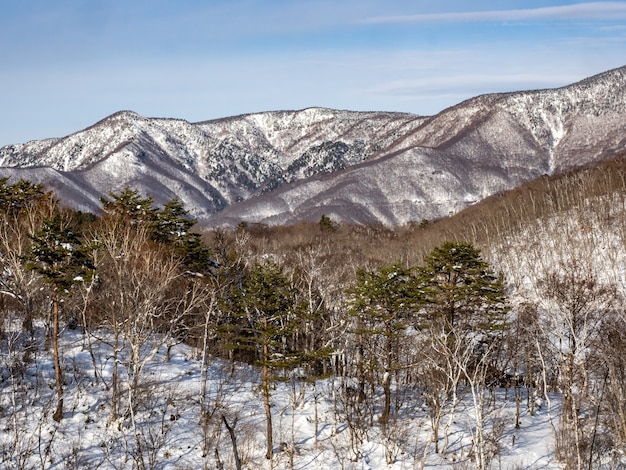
(586,11)
(460,83)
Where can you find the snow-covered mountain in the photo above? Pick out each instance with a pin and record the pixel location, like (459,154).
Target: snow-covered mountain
(285,166)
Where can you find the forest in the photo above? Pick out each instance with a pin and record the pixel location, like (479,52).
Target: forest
(508,309)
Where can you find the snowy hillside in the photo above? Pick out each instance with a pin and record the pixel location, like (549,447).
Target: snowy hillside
(178,423)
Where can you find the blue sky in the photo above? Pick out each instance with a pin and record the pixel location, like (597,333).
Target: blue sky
(66,64)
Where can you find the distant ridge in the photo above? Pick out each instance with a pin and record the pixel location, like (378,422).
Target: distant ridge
(281,167)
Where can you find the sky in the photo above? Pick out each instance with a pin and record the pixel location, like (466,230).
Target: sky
(66,64)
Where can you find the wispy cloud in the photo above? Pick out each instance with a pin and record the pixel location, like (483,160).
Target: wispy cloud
(617,27)
(462,82)
(596,11)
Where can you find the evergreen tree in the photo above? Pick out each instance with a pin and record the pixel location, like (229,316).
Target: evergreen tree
(58,255)
(463,314)
(461,291)
(326,224)
(16,197)
(129,204)
(381,303)
(172,226)
(172,223)
(264,315)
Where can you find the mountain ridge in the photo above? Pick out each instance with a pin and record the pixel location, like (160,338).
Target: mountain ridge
(284,166)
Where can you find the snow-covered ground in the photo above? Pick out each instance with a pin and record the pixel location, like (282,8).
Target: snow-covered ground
(175,425)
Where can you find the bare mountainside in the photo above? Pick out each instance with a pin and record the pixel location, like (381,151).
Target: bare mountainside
(360,167)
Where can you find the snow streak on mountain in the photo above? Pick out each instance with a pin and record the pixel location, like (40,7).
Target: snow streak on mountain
(285,166)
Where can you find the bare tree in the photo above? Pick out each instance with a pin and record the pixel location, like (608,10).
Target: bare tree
(577,300)
(23,206)
(144,297)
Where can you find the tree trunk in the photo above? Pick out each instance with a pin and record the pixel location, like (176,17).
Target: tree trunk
(435,436)
(27,323)
(114,382)
(360,367)
(384,417)
(58,414)
(233,439)
(518,401)
(266,403)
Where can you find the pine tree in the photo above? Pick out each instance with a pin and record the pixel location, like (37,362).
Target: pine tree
(172,226)
(59,256)
(461,290)
(264,315)
(381,303)
(326,224)
(16,197)
(463,317)
(172,223)
(129,204)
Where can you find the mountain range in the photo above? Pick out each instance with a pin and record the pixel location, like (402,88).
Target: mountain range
(282,167)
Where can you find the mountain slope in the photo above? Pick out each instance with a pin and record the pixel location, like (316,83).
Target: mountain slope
(483,146)
(284,166)
(211,164)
